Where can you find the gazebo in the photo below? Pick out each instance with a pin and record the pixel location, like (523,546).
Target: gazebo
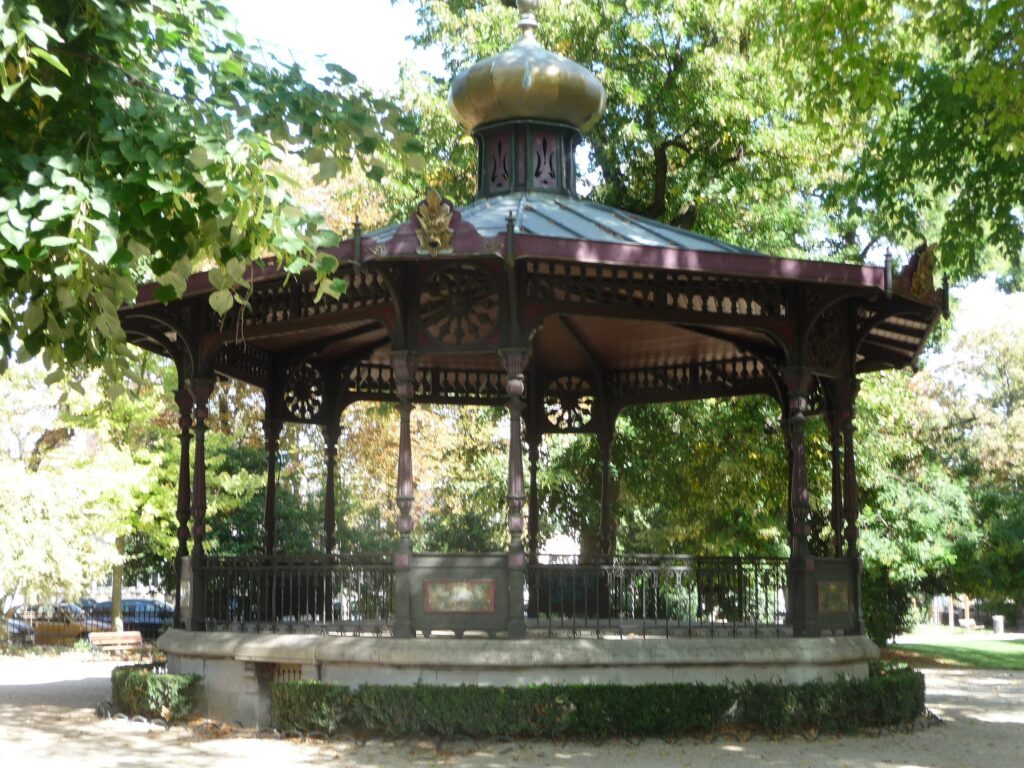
(564,312)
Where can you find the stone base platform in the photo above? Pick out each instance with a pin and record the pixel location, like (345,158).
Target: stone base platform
(238,668)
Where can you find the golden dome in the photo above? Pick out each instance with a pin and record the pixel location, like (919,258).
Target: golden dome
(526,81)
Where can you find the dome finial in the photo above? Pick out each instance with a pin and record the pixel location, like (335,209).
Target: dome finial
(527,21)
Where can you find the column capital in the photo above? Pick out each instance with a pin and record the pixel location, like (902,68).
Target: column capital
(403,368)
(201,389)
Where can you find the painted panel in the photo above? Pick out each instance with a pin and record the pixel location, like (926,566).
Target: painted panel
(833,596)
(458,596)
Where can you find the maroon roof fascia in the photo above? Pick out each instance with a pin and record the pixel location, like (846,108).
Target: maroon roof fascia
(742,265)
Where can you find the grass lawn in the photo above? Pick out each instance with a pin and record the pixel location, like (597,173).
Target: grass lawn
(962,652)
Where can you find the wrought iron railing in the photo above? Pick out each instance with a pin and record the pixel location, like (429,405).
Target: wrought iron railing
(658,595)
(299,594)
(634,596)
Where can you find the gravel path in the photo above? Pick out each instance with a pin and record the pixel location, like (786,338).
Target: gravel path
(47,719)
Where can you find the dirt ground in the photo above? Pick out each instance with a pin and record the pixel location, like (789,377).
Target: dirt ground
(47,718)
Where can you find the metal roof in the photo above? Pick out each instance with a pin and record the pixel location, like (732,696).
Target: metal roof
(548,215)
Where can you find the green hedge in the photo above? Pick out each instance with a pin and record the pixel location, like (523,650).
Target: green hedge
(888,697)
(140,690)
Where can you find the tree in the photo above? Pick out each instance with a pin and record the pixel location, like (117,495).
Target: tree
(148,140)
(985,390)
(700,129)
(937,92)
(63,503)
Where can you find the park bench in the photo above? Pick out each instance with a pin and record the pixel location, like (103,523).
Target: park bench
(970,624)
(116,641)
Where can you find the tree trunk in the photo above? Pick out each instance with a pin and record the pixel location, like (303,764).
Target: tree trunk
(115,595)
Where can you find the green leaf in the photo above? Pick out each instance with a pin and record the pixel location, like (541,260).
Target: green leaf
(166,293)
(57,241)
(8,92)
(50,59)
(46,91)
(336,287)
(34,315)
(13,236)
(221,301)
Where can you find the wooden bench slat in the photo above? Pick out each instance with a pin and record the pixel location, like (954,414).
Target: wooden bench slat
(116,641)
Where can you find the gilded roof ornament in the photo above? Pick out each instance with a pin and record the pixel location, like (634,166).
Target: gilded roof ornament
(527,82)
(434,233)
(922,285)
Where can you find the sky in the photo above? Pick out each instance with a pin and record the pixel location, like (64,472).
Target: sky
(370,38)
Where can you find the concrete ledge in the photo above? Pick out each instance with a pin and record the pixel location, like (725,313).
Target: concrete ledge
(443,653)
(237,668)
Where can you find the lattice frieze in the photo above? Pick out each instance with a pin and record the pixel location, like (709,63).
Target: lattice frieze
(724,296)
(375,382)
(738,373)
(590,284)
(295,299)
(369,380)
(245,361)
(469,385)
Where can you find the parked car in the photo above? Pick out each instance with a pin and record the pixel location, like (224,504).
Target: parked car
(21,632)
(59,624)
(150,617)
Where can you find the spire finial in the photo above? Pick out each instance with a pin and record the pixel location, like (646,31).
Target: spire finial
(527,21)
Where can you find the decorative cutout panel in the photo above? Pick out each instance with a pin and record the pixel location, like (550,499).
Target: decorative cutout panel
(825,341)
(498,164)
(545,161)
(459,304)
(569,404)
(304,392)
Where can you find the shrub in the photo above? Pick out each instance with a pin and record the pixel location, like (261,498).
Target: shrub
(140,690)
(888,604)
(890,696)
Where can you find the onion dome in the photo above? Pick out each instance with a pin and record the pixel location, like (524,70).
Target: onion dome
(527,82)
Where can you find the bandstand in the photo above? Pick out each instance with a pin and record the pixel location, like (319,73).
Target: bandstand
(566,313)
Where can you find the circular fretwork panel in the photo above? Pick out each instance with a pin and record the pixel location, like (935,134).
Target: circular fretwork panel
(304,391)
(568,404)
(459,304)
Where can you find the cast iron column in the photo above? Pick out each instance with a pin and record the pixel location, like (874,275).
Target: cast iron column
(607,533)
(801,598)
(515,361)
(331,433)
(201,390)
(184,401)
(403,367)
(272,438)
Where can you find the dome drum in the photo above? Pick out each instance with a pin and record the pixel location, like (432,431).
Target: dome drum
(526,156)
